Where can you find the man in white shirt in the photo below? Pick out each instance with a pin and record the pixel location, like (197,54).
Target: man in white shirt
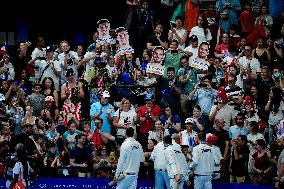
(203,162)
(176,163)
(192,49)
(161,175)
(131,155)
(177,32)
(249,66)
(49,68)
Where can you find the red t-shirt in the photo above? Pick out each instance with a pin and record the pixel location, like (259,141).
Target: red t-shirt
(247,20)
(221,48)
(147,125)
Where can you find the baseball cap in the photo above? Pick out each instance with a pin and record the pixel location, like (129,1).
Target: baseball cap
(50,49)
(69,72)
(189,120)
(193,38)
(149,96)
(105,94)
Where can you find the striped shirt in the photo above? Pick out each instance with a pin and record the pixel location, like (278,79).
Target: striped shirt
(235,93)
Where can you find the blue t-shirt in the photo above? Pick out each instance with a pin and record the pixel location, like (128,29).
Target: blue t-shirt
(95,109)
(175,119)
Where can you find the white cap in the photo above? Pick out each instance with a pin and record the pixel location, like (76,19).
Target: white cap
(105,94)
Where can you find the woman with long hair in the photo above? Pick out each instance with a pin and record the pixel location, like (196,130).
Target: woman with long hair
(49,90)
(275,107)
(170,120)
(22,167)
(159,132)
(201,30)
(261,53)
(50,111)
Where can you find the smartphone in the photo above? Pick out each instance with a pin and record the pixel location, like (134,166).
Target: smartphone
(174,51)
(41,58)
(202,85)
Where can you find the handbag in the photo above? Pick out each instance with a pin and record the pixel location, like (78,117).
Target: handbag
(19,184)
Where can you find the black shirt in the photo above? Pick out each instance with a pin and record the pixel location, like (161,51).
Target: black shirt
(222,135)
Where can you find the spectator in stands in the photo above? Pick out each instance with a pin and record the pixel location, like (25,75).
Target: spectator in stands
(222,110)
(213,22)
(37,54)
(188,135)
(252,137)
(275,51)
(261,53)
(187,76)
(275,107)
(36,99)
(7,71)
(240,155)
(260,163)
(247,19)
(203,95)
(192,49)
(49,90)
(104,110)
(81,156)
(222,47)
(48,67)
(158,39)
(265,19)
(177,32)
(159,132)
(170,120)
(123,118)
(201,30)
(250,114)
(172,57)
(69,136)
(239,128)
(147,114)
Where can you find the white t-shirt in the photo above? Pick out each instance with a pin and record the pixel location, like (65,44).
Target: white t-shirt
(19,170)
(125,117)
(180,33)
(194,53)
(275,118)
(38,53)
(226,112)
(199,32)
(254,65)
(89,64)
(49,72)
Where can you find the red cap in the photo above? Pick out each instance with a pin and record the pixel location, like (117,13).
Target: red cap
(248,101)
(212,139)
(222,94)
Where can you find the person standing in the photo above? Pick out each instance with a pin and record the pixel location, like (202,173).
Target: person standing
(161,176)
(131,155)
(203,161)
(176,164)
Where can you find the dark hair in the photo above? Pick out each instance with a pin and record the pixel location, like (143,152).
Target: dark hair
(244,138)
(129,132)
(254,126)
(204,24)
(201,136)
(276,99)
(248,45)
(100,119)
(77,137)
(197,107)
(184,57)
(179,18)
(23,158)
(70,122)
(154,141)
(52,84)
(261,143)
(233,48)
(170,69)
(241,114)
(167,139)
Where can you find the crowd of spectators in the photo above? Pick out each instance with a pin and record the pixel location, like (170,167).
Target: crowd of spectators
(70,107)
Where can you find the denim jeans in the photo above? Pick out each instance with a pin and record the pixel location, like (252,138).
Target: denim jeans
(161,179)
(202,182)
(130,182)
(175,185)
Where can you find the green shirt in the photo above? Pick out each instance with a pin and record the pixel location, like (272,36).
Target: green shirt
(172,60)
(189,85)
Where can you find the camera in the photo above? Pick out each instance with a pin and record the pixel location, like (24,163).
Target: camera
(173,24)
(202,85)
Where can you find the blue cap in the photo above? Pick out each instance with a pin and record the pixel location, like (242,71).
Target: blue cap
(149,96)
